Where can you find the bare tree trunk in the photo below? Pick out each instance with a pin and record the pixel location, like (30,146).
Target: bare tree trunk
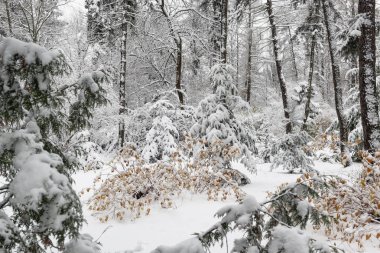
(9,20)
(367,77)
(216,31)
(224,31)
(293,56)
(336,81)
(237,58)
(248,77)
(178,60)
(310,81)
(178,81)
(122,87)
(123,78)
(280,74)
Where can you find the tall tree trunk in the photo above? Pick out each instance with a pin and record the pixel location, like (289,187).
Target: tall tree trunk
(367,77)
(178,59)
(216,31)
(237,57)
(178,82)
(280,74)
(293,56)
(248,77)
(310,81)
(336,82)
(224,31)
(9,20)
(123,78)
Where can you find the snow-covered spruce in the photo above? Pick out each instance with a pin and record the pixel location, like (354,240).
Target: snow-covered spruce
(216,120)
(161,140)
(288,152)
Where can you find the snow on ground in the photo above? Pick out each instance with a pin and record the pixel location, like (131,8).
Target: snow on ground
(192,213)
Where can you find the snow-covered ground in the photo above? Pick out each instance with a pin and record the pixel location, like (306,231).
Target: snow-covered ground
(192,213)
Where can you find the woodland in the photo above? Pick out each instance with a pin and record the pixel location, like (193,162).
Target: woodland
(189,126)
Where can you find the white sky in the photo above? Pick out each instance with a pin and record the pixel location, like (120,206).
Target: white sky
(74,6)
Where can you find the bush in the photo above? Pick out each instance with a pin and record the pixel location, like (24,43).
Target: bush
(275,225)
(355,207)
(135,185)
(288,152)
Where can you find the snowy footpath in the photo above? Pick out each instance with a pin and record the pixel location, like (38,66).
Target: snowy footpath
(191,214)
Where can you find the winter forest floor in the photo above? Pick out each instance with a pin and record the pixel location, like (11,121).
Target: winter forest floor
(192,213)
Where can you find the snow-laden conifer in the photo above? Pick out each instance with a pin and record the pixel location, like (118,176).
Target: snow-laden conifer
(216,119)
(42,209)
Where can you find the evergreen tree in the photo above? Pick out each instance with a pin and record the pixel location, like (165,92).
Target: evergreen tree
(161,140)
(216,120)
(45,210)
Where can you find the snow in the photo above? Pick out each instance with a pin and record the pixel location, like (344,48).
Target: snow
(288,240)
(303,208)
(31,52)
(189,246)
(194,213)
(230,213)
(83,244)
(38,179)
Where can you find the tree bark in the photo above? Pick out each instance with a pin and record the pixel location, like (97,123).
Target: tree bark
(367,77)
(9,20)
(178,60)
(178,82)
(224,31)
(248,77)
(216,31)
(310,81)
(293,56)
(280,74)
(336,81)
(123,78)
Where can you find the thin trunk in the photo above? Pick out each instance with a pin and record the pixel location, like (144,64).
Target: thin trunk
(178,59)
(293,56)
(336,81)
(367,77)
(310,81)
(248,81)
(279,67)
(237,58)
(216,32)
(9,20)
(179,72)
(224,31)
(122,84)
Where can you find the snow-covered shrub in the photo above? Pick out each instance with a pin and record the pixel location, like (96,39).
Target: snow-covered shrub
(42,209)
(134,185)
(289,153)
(216,120)
(82,244)
(326,148)
(355,207)
(140,121)
(300,99)
(161,140)
(273,226)
(89,154)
